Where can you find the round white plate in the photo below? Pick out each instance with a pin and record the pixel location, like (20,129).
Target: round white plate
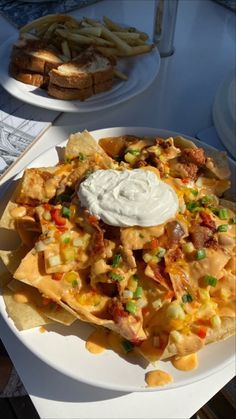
(63,347)
(141,71)
(224,113)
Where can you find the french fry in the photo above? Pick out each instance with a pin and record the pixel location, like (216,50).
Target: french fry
(108,52)
(107,34)
(141,49)
(82,39)
(120,75)
(127,35)
(114,26)
(45,20)
(90,31)
(66,50)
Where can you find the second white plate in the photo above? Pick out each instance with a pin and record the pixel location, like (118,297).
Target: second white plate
(141,71)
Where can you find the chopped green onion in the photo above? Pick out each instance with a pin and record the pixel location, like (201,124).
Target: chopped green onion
(200,254)
(115,277)
(210,280)
(192,206)
(233,220)
(216,321)
(134,151)
(131,307)
(78,242)
(81,157)
(160,252)
(62,198)
(40,246)
(116,260)
(188,247)
(65,212)
(157,304)
(147,257)
(194,192)
(47,215)
(130,158)
(65,238)
(187,298)
(128,294)
(138,292)
(223,214)
(222,228)
(127,345)
(205,200)
(74,283)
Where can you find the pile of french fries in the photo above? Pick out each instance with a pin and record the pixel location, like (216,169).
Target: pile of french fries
(70,36)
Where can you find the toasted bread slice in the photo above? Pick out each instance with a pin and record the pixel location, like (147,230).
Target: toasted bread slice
(35,60)
(69,94)
(89,68)
(38,80)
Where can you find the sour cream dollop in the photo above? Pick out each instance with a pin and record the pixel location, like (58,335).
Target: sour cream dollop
(128,198)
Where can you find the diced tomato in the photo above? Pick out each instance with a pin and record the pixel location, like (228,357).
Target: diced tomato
(57,276)
(163,342)
(47,207)
(202,333)
(154,244)
(185,180)
(57,218)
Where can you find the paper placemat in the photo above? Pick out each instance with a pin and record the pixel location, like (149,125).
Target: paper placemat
(20,125)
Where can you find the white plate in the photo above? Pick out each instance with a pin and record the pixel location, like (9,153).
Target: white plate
(141,70)
(63,348)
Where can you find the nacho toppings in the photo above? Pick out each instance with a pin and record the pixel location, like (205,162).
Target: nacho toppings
(156,271)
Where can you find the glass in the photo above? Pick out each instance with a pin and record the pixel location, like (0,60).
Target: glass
(164,26)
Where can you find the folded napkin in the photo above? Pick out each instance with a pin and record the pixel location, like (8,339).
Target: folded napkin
(20,125)
(19,13)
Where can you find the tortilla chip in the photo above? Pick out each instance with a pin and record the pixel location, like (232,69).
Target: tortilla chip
(182,143)
(84,143)
(217,163)
(227,329)
(6,220)
(187,344)
(12,258)
(228,204)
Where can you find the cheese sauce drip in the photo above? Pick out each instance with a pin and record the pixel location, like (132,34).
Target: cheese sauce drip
(128,198)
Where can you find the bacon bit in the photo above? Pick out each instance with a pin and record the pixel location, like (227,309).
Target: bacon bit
(92,219)
(207,221)
(117,310)
(174,254)
(202,333)
(186,180)
(57,276)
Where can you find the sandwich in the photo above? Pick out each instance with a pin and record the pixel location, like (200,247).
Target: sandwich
(31,62)
(89,73)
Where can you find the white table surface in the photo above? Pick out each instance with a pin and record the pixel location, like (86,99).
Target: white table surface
(179,99)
